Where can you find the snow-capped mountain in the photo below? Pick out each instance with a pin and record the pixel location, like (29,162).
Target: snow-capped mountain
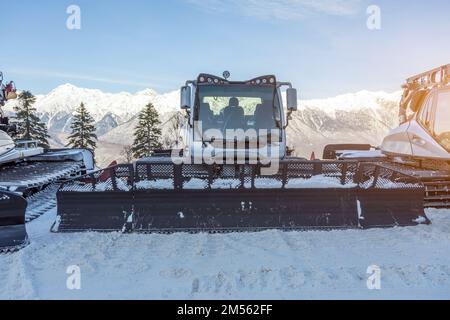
(108,109)
(362,117)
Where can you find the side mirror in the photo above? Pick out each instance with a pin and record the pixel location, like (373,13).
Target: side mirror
(291,98)
(185,98)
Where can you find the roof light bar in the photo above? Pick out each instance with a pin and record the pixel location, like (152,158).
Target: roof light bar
(438,76)
(265,80)
(208,79)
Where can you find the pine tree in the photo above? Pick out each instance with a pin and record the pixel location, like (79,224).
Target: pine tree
(127,154)
(83,130)
(147,135)
(171,137)
(30,127)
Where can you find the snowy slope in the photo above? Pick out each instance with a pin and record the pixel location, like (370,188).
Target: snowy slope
(362,117)
(57,106)
(353,102)
(414,264)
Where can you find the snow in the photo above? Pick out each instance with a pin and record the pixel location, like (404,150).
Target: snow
(121,185)
(420,220)
(100,186)
(414,264)
(260,183)
(348,154)
(195,184)
(317,182)
(226,184)
(353,101)
(67,97)
(299,183)
(162,184)
(383,183)
(4,197)
(268,183)
(361,117)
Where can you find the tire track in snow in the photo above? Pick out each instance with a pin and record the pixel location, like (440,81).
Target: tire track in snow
(269,264)
(259,277)
(18,280)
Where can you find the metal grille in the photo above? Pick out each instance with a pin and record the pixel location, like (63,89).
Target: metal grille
(30,175)
(372,175)
(290,174)
(117,178)
(437,194)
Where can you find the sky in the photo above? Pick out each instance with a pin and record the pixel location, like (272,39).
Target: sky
(324,47)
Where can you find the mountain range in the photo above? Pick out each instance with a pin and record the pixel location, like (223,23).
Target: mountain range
(361,117)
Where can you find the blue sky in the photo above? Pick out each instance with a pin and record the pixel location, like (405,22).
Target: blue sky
(323,46)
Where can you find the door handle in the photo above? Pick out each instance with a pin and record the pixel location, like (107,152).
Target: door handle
(418,141)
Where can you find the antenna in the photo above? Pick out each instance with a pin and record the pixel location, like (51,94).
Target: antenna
(226,75)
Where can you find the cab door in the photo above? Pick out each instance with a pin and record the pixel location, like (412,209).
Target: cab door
(441,125)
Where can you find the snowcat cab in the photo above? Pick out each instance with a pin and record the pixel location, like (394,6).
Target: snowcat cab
(242,120)
(424,132)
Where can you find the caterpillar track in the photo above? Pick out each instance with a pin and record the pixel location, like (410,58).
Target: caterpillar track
(27,191)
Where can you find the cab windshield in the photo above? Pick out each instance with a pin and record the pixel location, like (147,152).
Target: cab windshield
(442,119)
(234,107)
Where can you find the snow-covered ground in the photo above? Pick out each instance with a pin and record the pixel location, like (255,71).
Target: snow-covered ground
(414,262)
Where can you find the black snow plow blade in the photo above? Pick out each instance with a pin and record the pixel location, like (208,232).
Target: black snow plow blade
(163,197)
(13,235)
